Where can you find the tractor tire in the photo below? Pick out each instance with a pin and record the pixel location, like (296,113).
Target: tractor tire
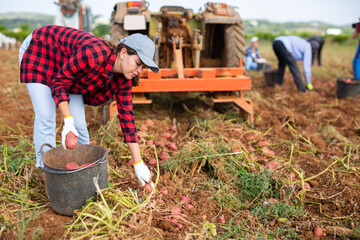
(117,31)
(234,44)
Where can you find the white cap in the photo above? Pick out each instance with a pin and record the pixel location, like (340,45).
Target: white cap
(144,47)
(254,39)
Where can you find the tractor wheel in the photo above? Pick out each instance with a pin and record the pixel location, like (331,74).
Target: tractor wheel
(234,44)
(117,31)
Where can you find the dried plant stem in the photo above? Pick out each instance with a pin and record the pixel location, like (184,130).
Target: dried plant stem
(328,216)
(299,135)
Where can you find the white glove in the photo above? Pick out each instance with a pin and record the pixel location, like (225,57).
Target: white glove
(69,126)
(143,173)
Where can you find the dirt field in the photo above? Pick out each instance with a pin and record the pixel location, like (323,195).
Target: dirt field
(314,135)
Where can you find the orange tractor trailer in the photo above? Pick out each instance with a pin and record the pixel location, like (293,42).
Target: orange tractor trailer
(200,52)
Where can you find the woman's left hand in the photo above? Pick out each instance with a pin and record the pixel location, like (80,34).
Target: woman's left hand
(143,173)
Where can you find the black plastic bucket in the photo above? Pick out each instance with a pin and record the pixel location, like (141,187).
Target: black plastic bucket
(347,87)
(69,190)
(270,77)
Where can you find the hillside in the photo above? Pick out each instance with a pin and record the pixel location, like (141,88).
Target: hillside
(15,19)
(253,26)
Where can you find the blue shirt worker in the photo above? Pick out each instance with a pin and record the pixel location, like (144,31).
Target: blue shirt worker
(252,55)
(288,50)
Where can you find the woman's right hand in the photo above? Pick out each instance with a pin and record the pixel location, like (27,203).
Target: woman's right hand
(69,126)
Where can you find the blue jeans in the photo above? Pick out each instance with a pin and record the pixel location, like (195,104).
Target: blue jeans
(24,46)
(286,58)
(45,113)
(356,63)
(250,64)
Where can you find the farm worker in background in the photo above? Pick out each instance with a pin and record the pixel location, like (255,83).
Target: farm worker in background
(356,60)
(288,50)
(253,60)
(317,42)
(66,68)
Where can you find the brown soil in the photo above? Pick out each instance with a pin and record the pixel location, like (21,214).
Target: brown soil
(48,225)
(309,114)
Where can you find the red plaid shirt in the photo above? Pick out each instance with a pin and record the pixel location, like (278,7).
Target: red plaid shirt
(70,61)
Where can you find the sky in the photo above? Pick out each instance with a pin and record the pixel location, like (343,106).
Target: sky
(337,12)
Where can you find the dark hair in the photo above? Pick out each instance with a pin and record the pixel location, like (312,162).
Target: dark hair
(130,51)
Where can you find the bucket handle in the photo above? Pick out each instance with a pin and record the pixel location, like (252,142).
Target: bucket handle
(44,145)
(100,160)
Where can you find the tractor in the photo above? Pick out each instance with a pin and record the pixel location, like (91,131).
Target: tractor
(200,52)
(213,38)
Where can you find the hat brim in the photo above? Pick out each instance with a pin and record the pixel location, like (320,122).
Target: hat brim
(148,62)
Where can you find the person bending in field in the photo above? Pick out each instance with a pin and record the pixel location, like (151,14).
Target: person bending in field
(66,68)
(317,43)
(288,50)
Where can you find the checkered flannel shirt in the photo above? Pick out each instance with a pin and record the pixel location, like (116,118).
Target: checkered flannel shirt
(70,61)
